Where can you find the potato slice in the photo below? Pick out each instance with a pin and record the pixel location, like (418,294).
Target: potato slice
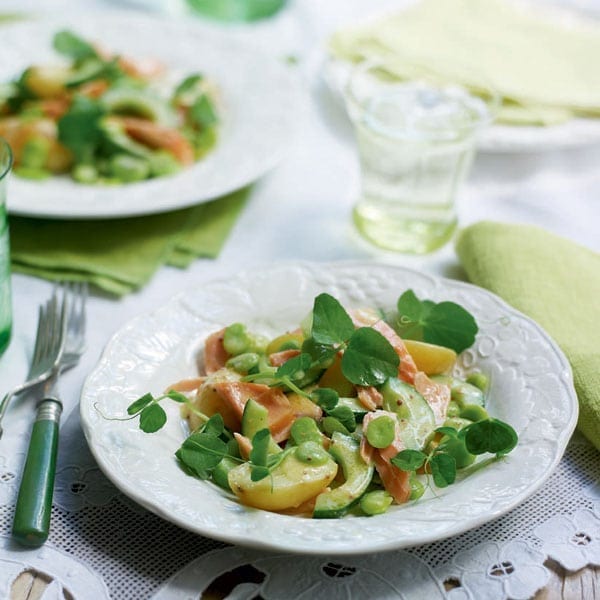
(292,483)
(429,358)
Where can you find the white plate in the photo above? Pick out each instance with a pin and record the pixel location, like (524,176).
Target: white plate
(259,96)
(531,388)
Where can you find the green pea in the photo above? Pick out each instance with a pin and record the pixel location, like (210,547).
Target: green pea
(330,425)
(376,502)
(163,163)
(35,153)
(242,363)
(85,174)
(381,432)
(129,168)
(474,412)
(305,429)
(312,453)
(479,380)
(453,410)
(236,340)
(417,489)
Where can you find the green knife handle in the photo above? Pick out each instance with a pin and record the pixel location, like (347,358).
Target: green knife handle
(32,513)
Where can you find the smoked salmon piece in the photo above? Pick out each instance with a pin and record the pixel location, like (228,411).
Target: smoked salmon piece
(235,394)
(436,394)
(215,355)
(370,397)
(395,481)
(279,358)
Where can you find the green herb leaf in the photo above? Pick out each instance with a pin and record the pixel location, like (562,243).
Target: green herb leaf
(177,396)
(326,398)
(449,431)
(260,448)
(331,323)
(257,472)
(445,324)
(139,404)
(490,435)
(321,354)
(71,45)
(345,416)
(369,358)
(202,113)
(152,418)
(79,130)
(189,84)
(214,425)
(202,452)
(443,469)
(295,367)
(409,460)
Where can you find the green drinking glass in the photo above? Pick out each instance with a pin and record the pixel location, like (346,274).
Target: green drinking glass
(5,295)
(237,10)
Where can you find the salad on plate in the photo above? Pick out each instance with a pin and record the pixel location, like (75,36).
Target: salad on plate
(349,413)
(104,118)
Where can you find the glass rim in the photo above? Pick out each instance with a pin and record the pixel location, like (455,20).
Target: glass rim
(5,152)
(486,93)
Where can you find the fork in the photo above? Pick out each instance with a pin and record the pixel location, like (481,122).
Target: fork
(46,351)
(31,522)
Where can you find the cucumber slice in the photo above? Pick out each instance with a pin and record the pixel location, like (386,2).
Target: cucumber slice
(254,418)
(336,503)
(140,103)
(417,420)
(463,393)
(221,472)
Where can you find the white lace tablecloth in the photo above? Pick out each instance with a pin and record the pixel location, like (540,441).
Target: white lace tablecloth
(103,545)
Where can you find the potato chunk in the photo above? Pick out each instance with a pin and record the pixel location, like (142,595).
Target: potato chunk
(429,358)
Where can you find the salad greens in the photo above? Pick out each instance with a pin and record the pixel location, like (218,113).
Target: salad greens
(104,118)
(338,416)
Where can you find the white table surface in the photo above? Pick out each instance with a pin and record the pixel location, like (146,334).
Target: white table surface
(301,210)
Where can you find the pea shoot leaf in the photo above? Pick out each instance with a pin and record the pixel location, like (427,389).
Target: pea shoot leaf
(71,45)
(152,418)
(449,431)
(201,453)
(257,473)
(326,398)
(443,469)
(190,83)
(331,323)
(321,354)
(214,425)
(345,416)
(176,396)
(445,324)
(295,367)
(139,404)
(260,448)
(489,435)
(369,358)
(79,130)
(409,460)
(202,113)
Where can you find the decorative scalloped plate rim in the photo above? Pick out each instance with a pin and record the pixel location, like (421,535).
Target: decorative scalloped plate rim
(531,387)
(259,96)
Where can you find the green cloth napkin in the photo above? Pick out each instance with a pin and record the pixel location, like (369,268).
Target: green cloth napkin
(556,283)
(121,255)
(546,72)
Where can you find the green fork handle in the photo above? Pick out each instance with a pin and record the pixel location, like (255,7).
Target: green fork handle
(31,523)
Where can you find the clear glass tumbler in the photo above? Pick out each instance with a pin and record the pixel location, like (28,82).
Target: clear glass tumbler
(5,296)
(415,143)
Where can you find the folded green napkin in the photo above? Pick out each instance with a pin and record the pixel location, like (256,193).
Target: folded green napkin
(546,72)
(121,255)
(556,283)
